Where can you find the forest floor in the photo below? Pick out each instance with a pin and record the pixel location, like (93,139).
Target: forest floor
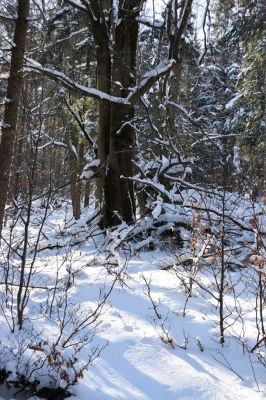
(153,351)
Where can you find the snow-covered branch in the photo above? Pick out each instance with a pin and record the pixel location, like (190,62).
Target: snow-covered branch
(76,4)
(156,186)
(8,18)
(235,220)
(149,80)
(52,143)
(136,92)
(151,23)
(74,86)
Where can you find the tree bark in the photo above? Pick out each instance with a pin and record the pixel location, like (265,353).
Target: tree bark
(78,183)
(119,195)
(101,30)
(103,84)
(12,103)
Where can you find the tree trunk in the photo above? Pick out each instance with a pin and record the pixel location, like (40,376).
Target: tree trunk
(73,160)
(119,195)
(78,183)
(103,140)
(16,172)
(87,193)
(12,103)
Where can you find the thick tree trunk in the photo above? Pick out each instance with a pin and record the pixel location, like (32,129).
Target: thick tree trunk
(12,103)
(119,195)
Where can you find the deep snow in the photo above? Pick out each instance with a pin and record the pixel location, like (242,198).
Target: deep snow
(136,364)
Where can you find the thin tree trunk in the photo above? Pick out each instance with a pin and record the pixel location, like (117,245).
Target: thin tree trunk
(80,165)
(87,193)
(103,141)
(15,190)
(73,160)
(12,103)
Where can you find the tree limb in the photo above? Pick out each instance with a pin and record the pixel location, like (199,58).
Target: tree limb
(149,80)
(74,86)
(134,92)
(8,18)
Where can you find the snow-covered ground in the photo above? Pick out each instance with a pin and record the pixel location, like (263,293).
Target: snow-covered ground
(137,363)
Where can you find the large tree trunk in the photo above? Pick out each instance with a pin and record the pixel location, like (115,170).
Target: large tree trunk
(12,103)
(119,195)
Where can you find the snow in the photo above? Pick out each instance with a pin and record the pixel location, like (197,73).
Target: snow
(62,11)
(73,150)
(4,125)
(77,4)
(150,22)
(233,101)
(157,210)
(7,17)
(93,163)
(136,364)
(53,143)
(90,169)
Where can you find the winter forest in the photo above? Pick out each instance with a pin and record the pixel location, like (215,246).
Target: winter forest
(132,199)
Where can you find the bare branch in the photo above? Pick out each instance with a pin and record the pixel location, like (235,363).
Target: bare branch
(8,18)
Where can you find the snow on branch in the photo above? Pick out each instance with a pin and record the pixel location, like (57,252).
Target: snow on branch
(158,187)
(228,214)
(52,143)
(151,23)
(182,109)
(77,4)
(8,18)
(74,86)
(148,80)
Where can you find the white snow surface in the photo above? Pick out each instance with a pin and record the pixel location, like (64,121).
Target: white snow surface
(137,365)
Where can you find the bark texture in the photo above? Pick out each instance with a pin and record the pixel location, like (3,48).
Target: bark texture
(12,103)
(116,72)
(119,196)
